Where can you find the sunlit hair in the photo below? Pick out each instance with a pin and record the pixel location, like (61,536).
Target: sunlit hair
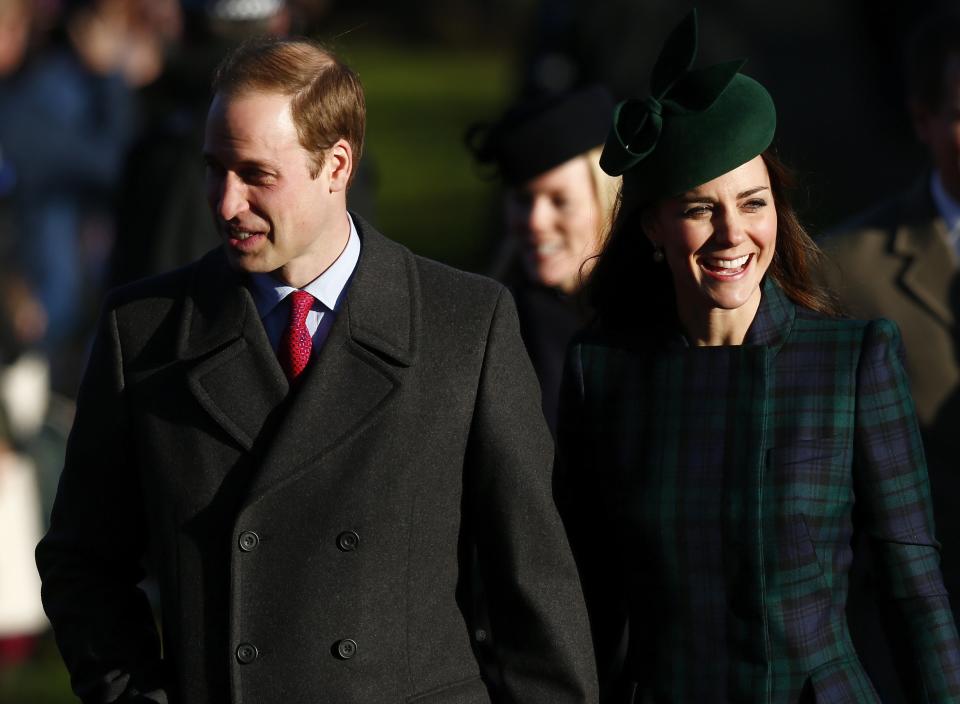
(327,98)
(606,189)
(628,289)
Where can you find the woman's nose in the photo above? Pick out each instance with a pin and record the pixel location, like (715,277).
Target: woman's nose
(729,228)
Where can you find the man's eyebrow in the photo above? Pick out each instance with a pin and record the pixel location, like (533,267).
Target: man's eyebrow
(210,158)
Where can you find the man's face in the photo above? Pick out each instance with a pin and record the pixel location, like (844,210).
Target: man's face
(939,128)
(273,215)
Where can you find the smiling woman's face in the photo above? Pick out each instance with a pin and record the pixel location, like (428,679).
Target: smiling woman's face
(556,217)
(719,239)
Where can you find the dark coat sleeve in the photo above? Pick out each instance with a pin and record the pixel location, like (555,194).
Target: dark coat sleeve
(90,560)
(894,510)
(540,631)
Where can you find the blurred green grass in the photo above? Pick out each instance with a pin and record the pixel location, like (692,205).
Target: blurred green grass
(42,680)
(419,103)
(429,196)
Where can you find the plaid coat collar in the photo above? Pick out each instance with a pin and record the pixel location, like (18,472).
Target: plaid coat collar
(774,320)
(770,327)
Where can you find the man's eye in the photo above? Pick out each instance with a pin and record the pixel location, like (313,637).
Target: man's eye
(256,177)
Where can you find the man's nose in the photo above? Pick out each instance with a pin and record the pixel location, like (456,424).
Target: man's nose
(232,198)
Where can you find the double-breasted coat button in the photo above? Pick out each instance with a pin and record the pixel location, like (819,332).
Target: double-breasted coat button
(347,648)
(247,653)
(249,540)
(348,540)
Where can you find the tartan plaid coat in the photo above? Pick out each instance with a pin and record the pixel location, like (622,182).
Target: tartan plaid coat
(711,495)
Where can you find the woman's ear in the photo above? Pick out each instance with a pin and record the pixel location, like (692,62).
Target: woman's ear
(651,231)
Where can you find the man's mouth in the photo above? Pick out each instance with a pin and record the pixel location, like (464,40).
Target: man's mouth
(243,240)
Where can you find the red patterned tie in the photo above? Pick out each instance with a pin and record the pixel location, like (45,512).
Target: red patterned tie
(296,343)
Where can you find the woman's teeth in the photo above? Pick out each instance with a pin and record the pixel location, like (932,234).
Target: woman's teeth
(730,263)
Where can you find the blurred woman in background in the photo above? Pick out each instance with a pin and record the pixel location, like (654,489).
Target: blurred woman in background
(558,205)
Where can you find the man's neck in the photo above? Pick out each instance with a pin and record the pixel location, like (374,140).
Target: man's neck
(302,270)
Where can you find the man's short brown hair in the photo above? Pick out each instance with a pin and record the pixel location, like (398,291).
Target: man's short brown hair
(327,98)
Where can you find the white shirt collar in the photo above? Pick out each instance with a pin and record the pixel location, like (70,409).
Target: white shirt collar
(326,288)
(948,208)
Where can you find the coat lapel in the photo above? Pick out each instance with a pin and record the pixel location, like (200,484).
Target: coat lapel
(929,264)
(349,383)
(232,370)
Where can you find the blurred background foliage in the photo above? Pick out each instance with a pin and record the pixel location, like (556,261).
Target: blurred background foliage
(419,102)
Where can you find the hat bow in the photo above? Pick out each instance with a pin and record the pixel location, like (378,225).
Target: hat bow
(675,90)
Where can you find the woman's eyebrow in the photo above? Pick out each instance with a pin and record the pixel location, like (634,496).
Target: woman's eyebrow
(694,198)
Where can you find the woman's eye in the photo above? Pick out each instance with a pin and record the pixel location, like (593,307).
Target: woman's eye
(754,204)
(696,211)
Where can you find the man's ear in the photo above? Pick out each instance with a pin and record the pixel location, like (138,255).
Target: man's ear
(340,163)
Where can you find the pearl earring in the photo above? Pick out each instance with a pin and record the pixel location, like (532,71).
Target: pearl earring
(658,254)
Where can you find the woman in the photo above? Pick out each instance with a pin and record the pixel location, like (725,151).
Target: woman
(723,435)
(558,204)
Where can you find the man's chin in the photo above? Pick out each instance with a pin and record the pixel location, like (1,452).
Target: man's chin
(244,262)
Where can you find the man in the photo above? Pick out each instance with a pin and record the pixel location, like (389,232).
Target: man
(900,261)
(310,480)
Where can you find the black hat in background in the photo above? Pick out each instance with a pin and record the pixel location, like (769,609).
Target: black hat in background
(537,135)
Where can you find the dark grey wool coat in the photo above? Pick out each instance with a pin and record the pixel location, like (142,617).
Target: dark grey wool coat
(313,545)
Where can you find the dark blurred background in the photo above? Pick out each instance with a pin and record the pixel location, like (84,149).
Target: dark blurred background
(101,113)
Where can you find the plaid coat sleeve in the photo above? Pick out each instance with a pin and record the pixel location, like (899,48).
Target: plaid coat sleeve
(581,494)
(893,500)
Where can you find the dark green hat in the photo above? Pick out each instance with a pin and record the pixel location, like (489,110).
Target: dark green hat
(695,126)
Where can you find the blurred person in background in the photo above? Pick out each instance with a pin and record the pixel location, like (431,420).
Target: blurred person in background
(23,395)
(901,260)
(66,114)
(558,205)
